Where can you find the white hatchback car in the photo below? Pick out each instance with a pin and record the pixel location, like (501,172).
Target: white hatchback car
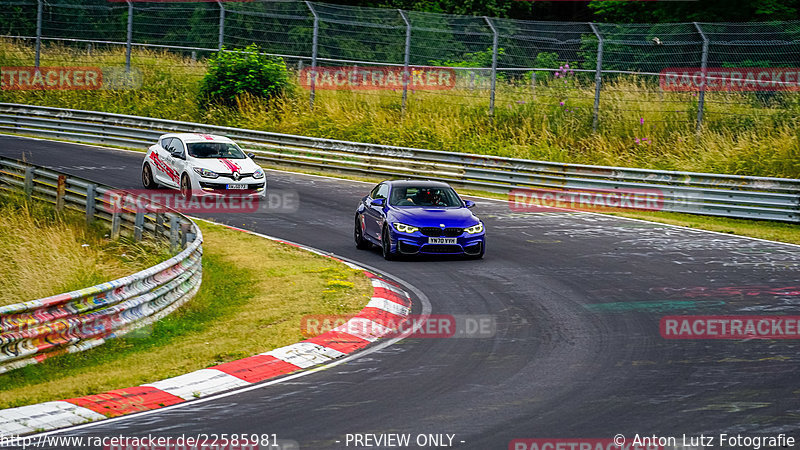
(202,164)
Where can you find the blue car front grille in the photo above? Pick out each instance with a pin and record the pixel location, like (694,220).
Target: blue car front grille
(438,232)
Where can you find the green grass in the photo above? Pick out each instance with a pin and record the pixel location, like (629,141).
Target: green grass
(44,253)
(745,133)
(253,296)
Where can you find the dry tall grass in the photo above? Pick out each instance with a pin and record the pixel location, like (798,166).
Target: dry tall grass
(43,253)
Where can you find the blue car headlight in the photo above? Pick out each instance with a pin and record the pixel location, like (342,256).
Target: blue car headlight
(258,174)
(205,173)
(403,228)
(475,229)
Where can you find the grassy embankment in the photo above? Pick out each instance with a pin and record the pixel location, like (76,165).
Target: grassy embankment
(254,294)
(43,253)
(745,134)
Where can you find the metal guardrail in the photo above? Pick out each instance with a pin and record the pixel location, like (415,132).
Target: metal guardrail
(748,197)
(33,331)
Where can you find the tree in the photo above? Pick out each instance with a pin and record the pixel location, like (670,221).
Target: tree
(704,11)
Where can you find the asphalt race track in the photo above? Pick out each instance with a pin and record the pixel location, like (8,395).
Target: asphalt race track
(577,300)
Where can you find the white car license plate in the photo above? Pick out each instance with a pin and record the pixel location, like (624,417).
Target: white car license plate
(237,186)
(436,240)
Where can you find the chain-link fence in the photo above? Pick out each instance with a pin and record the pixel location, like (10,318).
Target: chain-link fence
(597,74)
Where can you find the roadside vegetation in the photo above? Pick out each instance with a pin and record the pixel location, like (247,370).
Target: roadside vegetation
(254,294)
(640,126)
(745,133)
(44,253)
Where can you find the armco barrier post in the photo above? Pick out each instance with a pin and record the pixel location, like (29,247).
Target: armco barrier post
(91,190)
(115,223)
(495,42)
(129,39)
(188,234)
(221,39)
(598,77)
(138,226)
(173,232)
(406,57)
(39,14)
(184,234)
(314,45)
(159,224)
(701,99)
(61,191)
(29,182)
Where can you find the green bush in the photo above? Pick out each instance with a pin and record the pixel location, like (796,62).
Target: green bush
(235,72)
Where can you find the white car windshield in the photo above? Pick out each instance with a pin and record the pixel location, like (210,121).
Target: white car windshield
(424,196)
(215,150)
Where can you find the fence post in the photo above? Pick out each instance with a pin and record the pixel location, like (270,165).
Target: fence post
(91,201)
(701,101)
(174,235)
(116,219)
(29,182)
(61,192)
(160,224)
(129,39)
(188,234)
(314,42)
(221,41)
(533,86)
(406,58)
(598,77)
(494,64)
(39,14)
(138,225)
(184,234)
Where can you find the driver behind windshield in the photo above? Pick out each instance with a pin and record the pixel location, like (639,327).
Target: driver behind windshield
(422,196)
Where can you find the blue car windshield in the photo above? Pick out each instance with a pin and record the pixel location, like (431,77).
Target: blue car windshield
(215,150)
(427,196)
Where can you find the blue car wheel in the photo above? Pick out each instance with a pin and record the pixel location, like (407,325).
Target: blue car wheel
(386,245)
(358,235)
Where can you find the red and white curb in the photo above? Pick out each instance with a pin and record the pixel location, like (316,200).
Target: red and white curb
(389,304)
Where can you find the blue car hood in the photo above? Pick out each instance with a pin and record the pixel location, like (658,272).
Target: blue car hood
(433,217)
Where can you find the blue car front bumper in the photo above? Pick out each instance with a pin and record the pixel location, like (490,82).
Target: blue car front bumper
(418,244)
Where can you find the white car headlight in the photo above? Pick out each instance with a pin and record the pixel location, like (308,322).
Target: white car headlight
(258,174)
(205,173)
(475,229)
(403,228)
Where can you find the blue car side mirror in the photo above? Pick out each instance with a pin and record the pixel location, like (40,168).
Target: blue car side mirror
(469,203)
(378,202)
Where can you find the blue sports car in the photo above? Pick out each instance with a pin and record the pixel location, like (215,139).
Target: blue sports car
(418,217)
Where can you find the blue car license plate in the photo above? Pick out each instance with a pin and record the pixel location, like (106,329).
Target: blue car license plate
(438,240)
